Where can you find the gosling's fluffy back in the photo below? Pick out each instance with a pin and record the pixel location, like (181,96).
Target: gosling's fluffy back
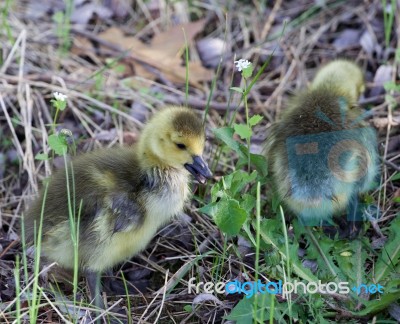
(304,148)
(125,198)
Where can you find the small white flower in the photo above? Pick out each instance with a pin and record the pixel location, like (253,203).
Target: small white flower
(59,96)
(242,64)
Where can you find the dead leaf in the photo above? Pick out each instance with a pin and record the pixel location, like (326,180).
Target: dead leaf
(394,143)
(171,42)
(204,297)
(394,311)
(347,38)
(82,46)
(384,122)
(115,36)
(83,14)
(120,8)
(130,138)
(164,52)
(107,135)
(37,9)
(368,42)
(2,167)
(383,74)
(210,50)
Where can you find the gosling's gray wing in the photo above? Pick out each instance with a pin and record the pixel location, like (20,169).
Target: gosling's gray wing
(126,212)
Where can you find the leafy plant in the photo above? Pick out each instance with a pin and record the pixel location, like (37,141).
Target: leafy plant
(61,141)
(236,208)
(63,22)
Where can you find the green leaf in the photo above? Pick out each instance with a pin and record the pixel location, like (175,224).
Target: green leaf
(271,234)
(240,180)
(396,176)
(61,104)
(248,72)
(390,85)
(42,156)
(237,89)
(276,200)
(229,216)
(242,313)
(119,68)
(390,255)
(248,202)
(374,306)
(58,17)
(188,308)
(225,134)
(254,120)
(58,144)
(243,131)
(260,163)
(209,209)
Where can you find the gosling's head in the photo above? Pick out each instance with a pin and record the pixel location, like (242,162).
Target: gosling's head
(174,138)
(342,75)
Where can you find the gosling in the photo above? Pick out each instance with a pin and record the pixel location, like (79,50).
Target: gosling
(321,154)
(121,196)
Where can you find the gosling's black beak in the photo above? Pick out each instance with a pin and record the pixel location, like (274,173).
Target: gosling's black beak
(199,169)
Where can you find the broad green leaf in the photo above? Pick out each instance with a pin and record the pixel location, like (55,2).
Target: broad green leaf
(269,236)
(58,144)
(390,85)
(396,176)
(42,156)
(243,131)
(243,312)
(248,72)
(374,306)
(260,162)
(225,134)
(276,200)
(237,89)
(237,180)
(209,209)
(229,216)
(58,17)
(254,120)
(248,202)
(390,255)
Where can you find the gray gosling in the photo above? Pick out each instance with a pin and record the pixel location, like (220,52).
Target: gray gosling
(321,154)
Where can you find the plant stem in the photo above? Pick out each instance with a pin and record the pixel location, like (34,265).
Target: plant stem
(247,122)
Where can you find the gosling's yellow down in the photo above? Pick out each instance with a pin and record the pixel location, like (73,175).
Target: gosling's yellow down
(124,194)
(321,154)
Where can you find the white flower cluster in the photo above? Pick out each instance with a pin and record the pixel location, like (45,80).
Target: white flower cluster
(59,96)
(242,64)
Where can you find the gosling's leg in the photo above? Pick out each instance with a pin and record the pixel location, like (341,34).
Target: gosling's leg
(354,218)
(349,224)
(94,284)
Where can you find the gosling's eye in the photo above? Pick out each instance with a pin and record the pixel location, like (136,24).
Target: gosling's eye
(181,146)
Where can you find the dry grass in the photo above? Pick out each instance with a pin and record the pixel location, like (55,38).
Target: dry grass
(108,107)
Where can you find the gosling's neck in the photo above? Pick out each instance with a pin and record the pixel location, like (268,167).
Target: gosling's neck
(331,89)
(157,173)
(147,158)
